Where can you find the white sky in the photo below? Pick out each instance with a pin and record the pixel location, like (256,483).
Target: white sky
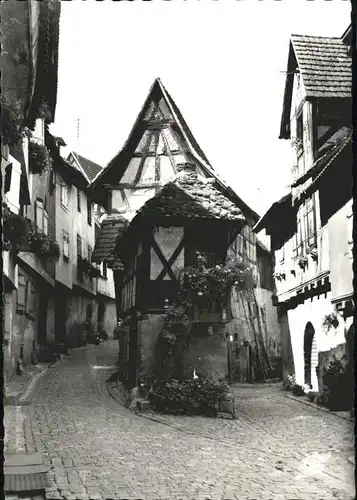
(222,61)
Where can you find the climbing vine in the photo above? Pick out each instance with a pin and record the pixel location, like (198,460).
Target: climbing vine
(199,285)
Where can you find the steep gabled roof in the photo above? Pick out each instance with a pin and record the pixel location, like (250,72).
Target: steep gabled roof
(325,67)
(120,162)
(156,92)
(187,197)
(90,168)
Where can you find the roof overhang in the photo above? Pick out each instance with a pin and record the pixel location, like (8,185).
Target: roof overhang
(271,214)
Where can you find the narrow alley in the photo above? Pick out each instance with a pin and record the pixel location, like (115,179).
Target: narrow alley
(276,448)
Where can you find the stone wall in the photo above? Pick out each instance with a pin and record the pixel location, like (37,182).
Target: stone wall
(288,366)
(206,352)
(148,331)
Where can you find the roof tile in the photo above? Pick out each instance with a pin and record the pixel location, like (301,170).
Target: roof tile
(90,168)
(112,227)
(325,65)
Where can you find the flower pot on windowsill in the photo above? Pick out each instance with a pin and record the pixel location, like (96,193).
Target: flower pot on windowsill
(313,255)
(302,262)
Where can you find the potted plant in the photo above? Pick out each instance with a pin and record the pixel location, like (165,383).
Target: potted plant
(338,384)
(44,246)
(312,251)
(302,262)
(93,272)
(12,121)
(39,158)
(330,321)
(15,231)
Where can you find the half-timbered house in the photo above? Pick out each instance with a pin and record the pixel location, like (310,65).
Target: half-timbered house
(311,227)
(165,203)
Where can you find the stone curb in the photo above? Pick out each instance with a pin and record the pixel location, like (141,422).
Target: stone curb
(23,398)
(317,407)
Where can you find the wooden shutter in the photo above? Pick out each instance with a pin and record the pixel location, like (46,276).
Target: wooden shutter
(39,217)
(45,222)
(79,246)
(78,200)
(21,293)
(105,270)
(65,245)
(30,298)
(89,212)
(310,225)
(7,179)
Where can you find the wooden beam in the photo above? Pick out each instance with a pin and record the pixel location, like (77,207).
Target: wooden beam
(164,262)
(128,185)
(172,259)
(145,152)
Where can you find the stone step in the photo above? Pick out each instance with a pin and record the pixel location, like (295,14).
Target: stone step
(25,472)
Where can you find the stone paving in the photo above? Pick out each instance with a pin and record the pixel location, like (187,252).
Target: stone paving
(276,448)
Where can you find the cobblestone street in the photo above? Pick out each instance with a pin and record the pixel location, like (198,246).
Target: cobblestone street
(276,448)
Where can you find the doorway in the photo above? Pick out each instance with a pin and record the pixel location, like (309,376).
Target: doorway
(101,313)
(310,355)
(42,324)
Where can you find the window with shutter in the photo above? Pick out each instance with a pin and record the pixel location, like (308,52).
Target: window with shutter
(89,212)
(104,270)
(21,293)
(64,195)
(65,245)
(39,208)
(7,178)
(310,223)
(45,222)
(297,242)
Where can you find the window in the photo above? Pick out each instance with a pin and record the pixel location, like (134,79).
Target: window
(89,253)
(79,246)
(297,247)
(21,293)
(31,298)
(64,195)
(310,223)
(41,217)
(78,200)
(65,245)
(299,134)
(104,270)
(280,255)
(7,178)
(89,212)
